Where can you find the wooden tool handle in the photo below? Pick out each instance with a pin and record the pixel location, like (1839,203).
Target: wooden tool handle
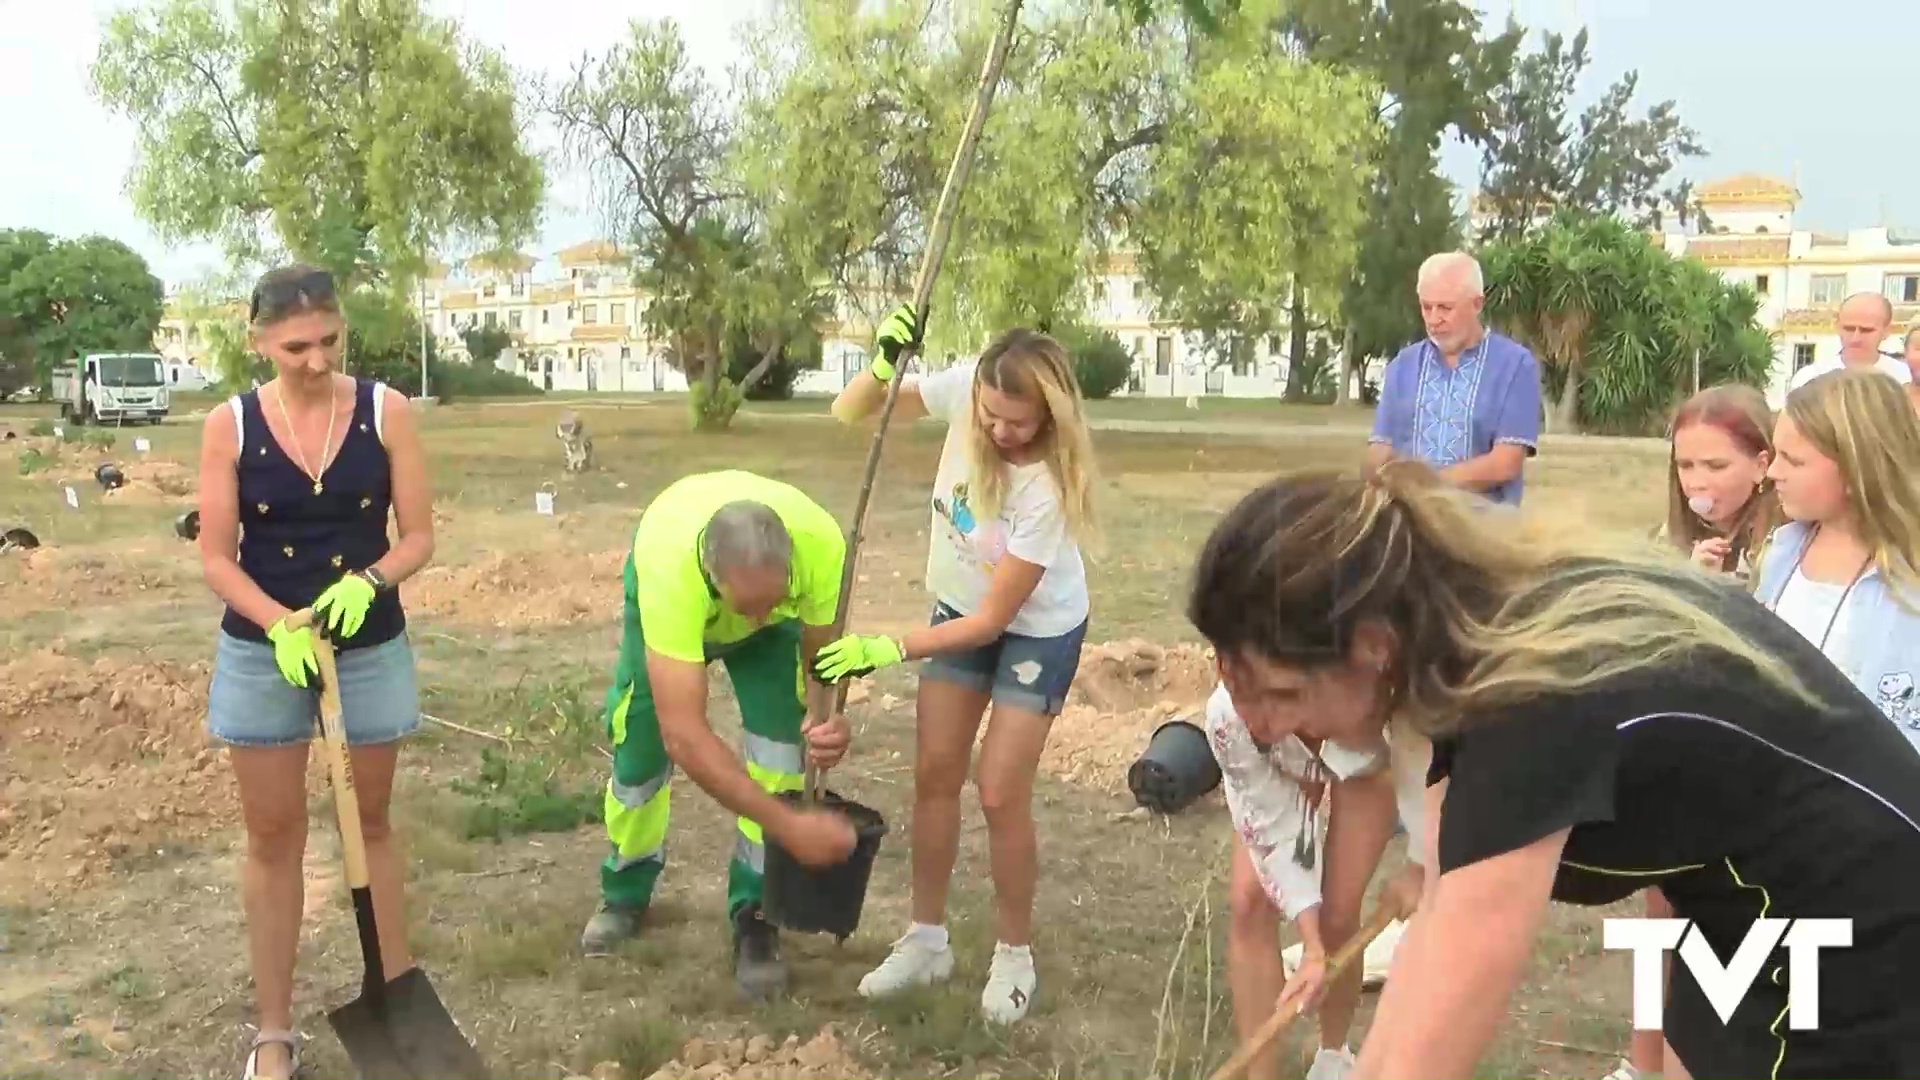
(1343,957)
(333,743)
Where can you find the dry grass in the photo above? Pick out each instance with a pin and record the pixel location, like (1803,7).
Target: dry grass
(144,973)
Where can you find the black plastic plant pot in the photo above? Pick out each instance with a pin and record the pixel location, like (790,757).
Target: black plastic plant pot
(110,476)
(828,900)
(1177,768)
(187,525)
(18,538)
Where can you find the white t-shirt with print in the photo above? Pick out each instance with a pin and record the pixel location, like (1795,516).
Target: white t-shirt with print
(1266,797)
(963,550)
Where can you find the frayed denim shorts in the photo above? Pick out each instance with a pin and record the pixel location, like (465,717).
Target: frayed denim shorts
(1031,673)
(251,704)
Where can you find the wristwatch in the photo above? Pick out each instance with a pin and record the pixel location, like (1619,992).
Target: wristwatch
(375,578)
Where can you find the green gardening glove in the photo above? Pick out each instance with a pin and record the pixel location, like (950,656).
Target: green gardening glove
(853,656)
(898,332)
(343,607)
(293,652)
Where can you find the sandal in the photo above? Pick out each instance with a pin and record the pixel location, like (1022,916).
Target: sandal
(288,1039)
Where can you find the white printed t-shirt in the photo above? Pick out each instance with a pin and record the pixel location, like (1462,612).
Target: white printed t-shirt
(964,550)
(1266,796)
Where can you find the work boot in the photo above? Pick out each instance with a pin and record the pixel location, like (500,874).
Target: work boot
(758,970)
(608,928)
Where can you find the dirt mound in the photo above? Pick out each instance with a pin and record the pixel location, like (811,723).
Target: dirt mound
(759,1058)
(517,590)
(100,759)
(22,443)
(49,577)
(1121,693)
(153,481)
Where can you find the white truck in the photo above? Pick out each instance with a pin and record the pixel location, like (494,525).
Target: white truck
(112,388)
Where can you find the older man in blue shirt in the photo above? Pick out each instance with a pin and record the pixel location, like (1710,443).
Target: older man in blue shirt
(1465,400)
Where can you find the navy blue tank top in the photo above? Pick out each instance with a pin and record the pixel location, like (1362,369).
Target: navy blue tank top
(295,543)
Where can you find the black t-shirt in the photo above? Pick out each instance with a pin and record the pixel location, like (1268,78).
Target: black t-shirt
(1738,800)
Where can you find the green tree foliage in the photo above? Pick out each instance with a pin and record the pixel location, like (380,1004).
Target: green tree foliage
(656,135)
(1216,156)
(1437,74)
(836,139)
(1618,323)
(356,133)
(486,343)
(1542,157)
(1101,363)
(1258,196)
(62,298)
(775,383)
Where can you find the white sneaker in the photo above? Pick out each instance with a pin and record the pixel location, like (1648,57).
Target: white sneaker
(1010,985)
(914,961)
(1331,1064)
(1625,1071)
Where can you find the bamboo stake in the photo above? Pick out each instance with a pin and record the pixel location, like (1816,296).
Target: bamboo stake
(949,208)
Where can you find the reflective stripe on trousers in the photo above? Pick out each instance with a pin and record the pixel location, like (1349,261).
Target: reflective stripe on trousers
(637,819)
(777,767)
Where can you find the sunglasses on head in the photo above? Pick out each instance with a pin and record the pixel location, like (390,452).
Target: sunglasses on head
(277,297)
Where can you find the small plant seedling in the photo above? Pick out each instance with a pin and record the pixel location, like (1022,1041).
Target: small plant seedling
(57,1012)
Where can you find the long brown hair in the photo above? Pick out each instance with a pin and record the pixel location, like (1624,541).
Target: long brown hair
(1033,367)
(1863,421)
(1488,607)
(1741,411)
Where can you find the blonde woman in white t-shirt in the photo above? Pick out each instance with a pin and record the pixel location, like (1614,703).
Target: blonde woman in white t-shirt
(1012,503)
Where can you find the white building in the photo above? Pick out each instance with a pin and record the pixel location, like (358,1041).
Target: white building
(581,332)
(1800,275)
(584,331)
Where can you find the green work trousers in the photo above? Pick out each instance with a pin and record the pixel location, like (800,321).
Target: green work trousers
(768,683)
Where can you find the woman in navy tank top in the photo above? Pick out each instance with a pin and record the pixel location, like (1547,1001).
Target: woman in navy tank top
(297,481)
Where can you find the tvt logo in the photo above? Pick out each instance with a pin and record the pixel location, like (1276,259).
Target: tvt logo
(1726,985)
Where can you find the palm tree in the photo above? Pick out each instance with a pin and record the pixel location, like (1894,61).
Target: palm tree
(1617,323)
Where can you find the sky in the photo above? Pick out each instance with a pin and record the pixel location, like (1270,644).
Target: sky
(1809,93)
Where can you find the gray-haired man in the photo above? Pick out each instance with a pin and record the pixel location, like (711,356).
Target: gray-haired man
(734,567)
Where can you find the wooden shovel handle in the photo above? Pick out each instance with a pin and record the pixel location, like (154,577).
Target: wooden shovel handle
(333,743)
(1383,917)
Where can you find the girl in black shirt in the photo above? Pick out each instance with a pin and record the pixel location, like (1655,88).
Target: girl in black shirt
(1604,720)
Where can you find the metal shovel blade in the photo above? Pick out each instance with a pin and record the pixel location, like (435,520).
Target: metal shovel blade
(407,1033)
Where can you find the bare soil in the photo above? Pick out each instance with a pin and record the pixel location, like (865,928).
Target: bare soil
(759,1058)
(51,577)
(519,590)
(149,481)
(1121,693)
(100,760)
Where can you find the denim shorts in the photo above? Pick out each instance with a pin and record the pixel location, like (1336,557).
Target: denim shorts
(1031,673)
(251,704)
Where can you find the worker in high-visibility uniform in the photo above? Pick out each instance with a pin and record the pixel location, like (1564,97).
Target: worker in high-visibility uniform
(738,568)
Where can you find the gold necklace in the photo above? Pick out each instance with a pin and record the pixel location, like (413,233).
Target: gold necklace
(293,436)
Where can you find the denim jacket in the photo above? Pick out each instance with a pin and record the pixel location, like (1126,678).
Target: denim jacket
(1885,636)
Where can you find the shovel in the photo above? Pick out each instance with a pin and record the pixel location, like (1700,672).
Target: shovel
(398,1028)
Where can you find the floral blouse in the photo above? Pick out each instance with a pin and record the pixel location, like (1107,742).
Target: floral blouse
(1275,796)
